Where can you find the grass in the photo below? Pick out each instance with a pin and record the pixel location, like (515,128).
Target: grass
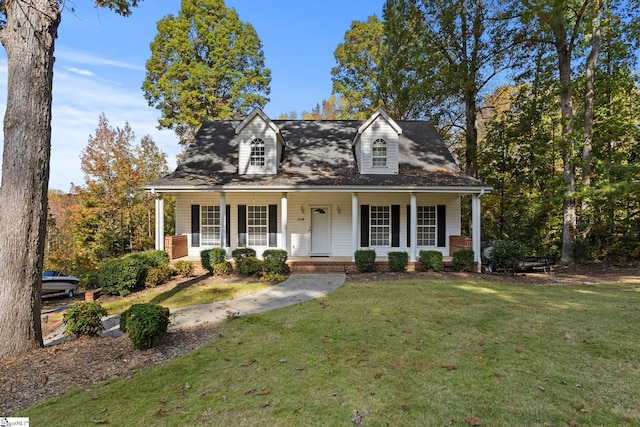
(407,353)
(182,296)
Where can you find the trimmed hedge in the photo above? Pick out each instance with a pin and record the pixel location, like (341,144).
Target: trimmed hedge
(398,261)
(184,268)
(430,260)
(365,260)
(158,275)
(463,260)
(275,261)
(145,324)
(250,266)
(240,254)
(121,276)
(84,319)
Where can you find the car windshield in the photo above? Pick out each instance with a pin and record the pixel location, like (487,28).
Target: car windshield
(49,273)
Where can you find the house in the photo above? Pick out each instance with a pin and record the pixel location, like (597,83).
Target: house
(319,188)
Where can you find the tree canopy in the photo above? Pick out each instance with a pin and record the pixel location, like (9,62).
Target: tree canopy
(205,64)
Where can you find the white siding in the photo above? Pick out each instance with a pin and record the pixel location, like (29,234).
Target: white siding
(382,129)
(258,128)
(299,216)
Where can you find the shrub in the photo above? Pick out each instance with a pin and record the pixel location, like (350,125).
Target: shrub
(223,268)
(217,255)
(398,261)
(365,260)
(273,278)
(250,266)
(158,275)
(463,260)
(184,268)
(84,319)
(430,260)
(206,260)
(275,261)
(508,255)
(240,254)
(152,258)
(145,324)
(121,276)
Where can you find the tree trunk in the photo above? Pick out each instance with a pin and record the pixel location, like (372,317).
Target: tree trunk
(568,143)
(28,39)
(587,149)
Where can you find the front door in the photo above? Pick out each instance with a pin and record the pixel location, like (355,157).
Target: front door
(320,230)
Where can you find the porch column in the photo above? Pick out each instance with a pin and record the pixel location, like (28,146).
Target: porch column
(475,229)
(354,225)
(159,222)
(414,228)
(223,219)
(284,218)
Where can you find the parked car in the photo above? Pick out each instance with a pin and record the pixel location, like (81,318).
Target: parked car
(55,283)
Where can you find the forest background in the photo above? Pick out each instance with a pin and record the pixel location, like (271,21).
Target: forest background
(540,100)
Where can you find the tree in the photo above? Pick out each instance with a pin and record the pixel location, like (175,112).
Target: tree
(27,32)
(115,214)
(355,78)
(205,65)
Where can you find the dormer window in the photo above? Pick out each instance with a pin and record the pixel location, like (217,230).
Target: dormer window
(379,153)
(257,157)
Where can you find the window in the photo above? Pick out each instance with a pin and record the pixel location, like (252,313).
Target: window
(257,226)
(379,153)
(380,228)
(210,225)
(257,157)
(426,225)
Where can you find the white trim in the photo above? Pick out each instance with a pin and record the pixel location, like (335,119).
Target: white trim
(159,223)
(354,225)
(379,112)
(257,112)
(320,189)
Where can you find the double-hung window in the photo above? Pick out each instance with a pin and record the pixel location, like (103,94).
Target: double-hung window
(210,225)
(426,225)
(379,153)
(257,226)
(257,156)
(380,225)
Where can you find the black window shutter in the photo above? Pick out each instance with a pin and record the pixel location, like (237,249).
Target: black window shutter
(441,217)
(273,226)
(242,226)
(395,226)
(364,226)
(195,225)
(408,226)
(227,231)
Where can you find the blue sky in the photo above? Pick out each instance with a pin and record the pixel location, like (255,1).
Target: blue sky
(100,59)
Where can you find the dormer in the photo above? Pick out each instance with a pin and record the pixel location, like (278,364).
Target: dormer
(376,145)
(260,145)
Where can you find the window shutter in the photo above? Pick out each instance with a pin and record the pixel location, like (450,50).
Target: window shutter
(441,212)
(364,226)
(195,225)
(227,231)
(273,226)
(395,226)
(408,226)
(242,226)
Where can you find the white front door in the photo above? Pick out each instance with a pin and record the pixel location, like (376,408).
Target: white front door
(320,230)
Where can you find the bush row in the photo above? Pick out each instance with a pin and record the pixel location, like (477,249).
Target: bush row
(272,265)
(133,272)
(431,260)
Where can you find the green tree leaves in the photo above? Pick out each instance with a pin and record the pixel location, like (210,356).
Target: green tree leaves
(205,64)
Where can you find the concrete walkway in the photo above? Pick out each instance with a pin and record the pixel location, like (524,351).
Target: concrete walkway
(297,288)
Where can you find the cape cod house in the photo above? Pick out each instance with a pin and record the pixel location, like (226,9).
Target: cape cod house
(318,189)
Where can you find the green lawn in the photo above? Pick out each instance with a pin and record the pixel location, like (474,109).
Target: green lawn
(408,353)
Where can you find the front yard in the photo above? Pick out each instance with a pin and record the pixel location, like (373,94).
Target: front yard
(453,352)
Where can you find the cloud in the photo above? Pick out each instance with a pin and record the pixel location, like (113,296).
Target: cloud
(80,71)
(65,54)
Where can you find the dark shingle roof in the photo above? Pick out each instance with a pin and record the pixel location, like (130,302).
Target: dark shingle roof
(318,153)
